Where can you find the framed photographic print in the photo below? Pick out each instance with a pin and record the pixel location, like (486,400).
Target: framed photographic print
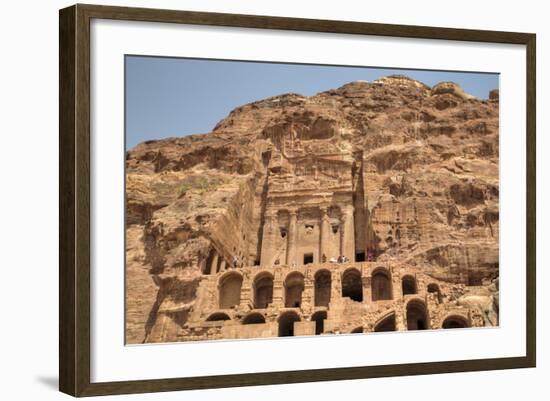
(250,200)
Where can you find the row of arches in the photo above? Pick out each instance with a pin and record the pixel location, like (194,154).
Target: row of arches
(352,287)
(286,321)
(251,318)
(417,319)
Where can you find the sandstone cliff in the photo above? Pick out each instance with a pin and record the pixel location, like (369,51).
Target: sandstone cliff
(424,166)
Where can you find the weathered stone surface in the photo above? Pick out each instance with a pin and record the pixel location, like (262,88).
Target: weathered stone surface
(230,234)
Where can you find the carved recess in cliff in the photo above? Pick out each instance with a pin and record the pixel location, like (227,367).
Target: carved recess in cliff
(228,230)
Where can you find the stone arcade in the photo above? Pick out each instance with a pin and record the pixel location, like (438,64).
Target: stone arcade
(360,297)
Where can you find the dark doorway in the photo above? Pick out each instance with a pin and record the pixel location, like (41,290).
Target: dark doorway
(254,318)
(319,319)
(360,257)
(408,284)
(352,287)
(217,317)
(308,258)
(417,318)
(286,324)
(387,324)
(455,322)
(475,278)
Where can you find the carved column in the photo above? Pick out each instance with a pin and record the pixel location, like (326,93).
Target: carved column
(278,288)
(292,238)
(246,302)
(397,284)
(222,265)
(308,296)
(347,234)
(367,288)
(323,242)
(335,286)
(214,263)
(268,238)
(400,318)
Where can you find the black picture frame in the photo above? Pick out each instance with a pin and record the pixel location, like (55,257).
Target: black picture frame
(74,199)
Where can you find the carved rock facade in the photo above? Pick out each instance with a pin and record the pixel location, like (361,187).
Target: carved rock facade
(372,207)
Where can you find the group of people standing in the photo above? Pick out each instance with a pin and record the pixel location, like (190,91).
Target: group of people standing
(339,259)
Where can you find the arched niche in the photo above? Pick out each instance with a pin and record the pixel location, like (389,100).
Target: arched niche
(417,315)
(352,286)
(387,323)
(455,322)
(217,317)
(230,290)
(263,290)
(254,318)
(408,285)
(323,282)
(381,285)
(294,287)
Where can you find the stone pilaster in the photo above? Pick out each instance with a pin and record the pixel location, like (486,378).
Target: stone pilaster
(246,301)
(400,318)
(347,234)
(396,284)
(268,238)
(278,288)
(367,289)
(308,295)
(323,242)
(214,263)
(336,286)
(292,238)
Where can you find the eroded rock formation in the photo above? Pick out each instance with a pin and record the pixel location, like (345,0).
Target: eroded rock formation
(234,233)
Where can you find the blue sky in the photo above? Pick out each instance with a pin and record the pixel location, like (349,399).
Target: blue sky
(168,97)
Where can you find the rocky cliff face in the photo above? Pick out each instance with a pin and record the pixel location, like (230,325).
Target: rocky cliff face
(426,160)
